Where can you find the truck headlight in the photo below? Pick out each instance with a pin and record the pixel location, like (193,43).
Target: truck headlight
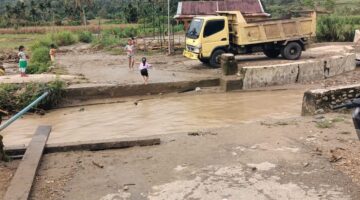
(194,49)
(197,49)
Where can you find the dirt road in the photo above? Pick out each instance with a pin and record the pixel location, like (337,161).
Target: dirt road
(103,68)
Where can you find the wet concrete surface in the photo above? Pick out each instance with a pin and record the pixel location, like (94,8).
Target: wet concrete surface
(274,159)
(135,118)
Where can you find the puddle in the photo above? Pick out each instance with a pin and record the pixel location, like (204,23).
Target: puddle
(158,116)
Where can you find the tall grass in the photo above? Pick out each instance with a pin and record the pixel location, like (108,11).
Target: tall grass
(40,58)
(118,36)
(64,38)
(85,36)
(107,40)
(334,28)
(14,97)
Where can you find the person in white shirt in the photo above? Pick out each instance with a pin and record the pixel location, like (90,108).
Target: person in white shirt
(130,50)
(22,61)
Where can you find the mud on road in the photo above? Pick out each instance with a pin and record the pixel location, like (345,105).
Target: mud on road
(273,159)
(7,171)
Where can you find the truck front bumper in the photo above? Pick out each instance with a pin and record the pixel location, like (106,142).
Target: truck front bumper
(190,55)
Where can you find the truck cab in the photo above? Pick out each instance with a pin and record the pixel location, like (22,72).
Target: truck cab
(207,38)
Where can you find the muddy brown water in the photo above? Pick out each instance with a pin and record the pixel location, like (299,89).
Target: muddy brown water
(157,116)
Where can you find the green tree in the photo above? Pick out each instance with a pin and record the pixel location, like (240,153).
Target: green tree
(82,5)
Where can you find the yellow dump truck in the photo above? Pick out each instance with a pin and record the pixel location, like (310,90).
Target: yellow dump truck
(210,36)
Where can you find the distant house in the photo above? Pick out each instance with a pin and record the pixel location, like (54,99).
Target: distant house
(251,9)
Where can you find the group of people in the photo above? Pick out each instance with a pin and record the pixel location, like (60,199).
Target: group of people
(129,48)
(144,65)
(23,59)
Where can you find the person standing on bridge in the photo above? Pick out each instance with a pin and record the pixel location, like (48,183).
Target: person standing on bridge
(52,53)
(130,50)
(22,61)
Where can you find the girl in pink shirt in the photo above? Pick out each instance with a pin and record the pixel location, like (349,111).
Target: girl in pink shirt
(143,67)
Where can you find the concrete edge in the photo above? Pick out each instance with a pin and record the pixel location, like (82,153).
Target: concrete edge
(112,91)
(95,145)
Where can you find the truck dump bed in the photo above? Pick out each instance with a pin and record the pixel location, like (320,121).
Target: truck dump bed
(243,33)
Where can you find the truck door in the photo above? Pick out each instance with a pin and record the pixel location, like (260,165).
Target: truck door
(215,34)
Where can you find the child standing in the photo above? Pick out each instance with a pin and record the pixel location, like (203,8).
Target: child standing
(130,50)
(52,52)
(144,66)
(2,70)
(22,61)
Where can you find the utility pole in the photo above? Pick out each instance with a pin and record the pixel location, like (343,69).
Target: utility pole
(169,45)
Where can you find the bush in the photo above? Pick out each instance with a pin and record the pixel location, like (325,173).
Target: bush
(74,23)
(40,55)
(40,61)
(107,40)
(130,32)
(85,36)
(37,68)
(64,38)
(337,28)
(15,97)
(41,43)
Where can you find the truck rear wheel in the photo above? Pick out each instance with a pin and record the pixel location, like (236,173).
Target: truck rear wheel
(292,51)
(272,53)
(216,57)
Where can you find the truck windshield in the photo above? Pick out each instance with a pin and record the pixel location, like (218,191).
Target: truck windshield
(194,29)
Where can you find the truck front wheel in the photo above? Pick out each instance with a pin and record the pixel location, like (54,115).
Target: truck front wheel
(215,58)
(204,60)
(292,51)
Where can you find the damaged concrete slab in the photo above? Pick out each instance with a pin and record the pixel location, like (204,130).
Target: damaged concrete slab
(297,72)
(325,99)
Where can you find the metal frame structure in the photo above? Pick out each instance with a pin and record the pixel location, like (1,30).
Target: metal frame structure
(156,21)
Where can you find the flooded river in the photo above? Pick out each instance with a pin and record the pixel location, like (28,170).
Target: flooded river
(157,116)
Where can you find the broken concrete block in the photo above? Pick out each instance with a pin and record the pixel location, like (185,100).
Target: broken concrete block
(324,100)
(229,83)
(228,64)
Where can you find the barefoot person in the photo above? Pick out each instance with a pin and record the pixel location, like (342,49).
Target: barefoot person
(130,50)
(143,67)
(2,70)
(52,53)
(22,61)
